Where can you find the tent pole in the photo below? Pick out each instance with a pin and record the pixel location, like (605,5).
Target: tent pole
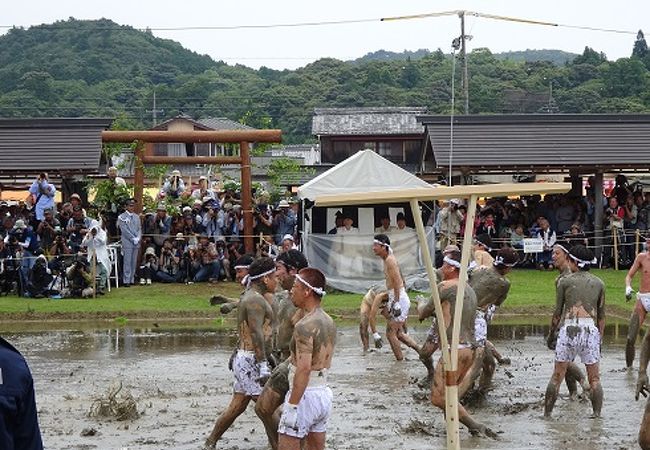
(451,392)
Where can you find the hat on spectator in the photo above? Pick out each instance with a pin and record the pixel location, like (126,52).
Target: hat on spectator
(197,202)
(20,223)
(287,236)
(283,204)
(186,209)
(180,237)
(203,177)
(150,251)
(207,198)
(338,213)
(227,205)
(161,207)
(176,173)
(455,201)
(75,195)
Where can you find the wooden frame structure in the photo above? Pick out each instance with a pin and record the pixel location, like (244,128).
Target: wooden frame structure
(144,155)
(413,196)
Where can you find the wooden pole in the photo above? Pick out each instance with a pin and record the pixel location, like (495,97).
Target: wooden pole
(94,265)
(637,240)
(138,176)
(227,136)
(615,240)
(246,196)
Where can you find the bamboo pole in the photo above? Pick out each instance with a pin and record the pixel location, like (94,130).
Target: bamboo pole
(94,266)
(615,240)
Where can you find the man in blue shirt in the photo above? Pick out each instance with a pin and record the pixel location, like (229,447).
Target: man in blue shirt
(18,419)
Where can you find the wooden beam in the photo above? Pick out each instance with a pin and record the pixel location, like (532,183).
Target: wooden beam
(138,177)
(191,160)
(441,192)
(247,196)
(230,136)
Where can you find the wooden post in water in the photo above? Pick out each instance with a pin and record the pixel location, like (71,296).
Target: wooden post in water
(615,240)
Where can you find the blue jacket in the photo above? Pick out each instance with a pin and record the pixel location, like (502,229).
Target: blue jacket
(18,420)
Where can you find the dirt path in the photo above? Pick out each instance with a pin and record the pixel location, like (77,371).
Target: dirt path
(180,382)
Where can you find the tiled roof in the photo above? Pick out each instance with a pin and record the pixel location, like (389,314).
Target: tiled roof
(367,121)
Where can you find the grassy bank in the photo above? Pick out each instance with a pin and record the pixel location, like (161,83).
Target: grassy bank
(532,292)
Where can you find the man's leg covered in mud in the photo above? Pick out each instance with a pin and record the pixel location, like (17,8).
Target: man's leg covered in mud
(644,431)
(593,374)
(472,374)
(363,328)
(503,361)
(403,336)
(553,387)
(426,356)
(574,376)
(465,361)
(237,405)
(392,328)
(489,366)
(638,315)
(271,398)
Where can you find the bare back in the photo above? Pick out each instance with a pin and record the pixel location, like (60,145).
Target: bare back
(448,289)
(314,334)
(490,287)
(642,264)
(580,295)
(287,317)
(255,323)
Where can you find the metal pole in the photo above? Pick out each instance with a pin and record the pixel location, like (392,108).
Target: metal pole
(615,239)
(598,214)
(463,54)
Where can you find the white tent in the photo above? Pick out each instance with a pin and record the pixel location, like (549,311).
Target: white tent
(365,170)
(348,261)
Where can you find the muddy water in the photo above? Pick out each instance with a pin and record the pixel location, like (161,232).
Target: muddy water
(180,381)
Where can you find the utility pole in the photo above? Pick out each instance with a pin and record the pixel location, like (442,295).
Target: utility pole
(154,112)
(463,55)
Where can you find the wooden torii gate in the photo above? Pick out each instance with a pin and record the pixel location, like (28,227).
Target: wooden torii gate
(144,155)
(413,196)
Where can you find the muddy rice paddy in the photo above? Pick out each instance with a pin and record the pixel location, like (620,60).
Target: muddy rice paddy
(180,382)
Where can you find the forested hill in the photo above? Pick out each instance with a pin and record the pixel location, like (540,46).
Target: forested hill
(99,68)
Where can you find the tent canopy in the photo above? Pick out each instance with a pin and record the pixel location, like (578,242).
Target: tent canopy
(364,171)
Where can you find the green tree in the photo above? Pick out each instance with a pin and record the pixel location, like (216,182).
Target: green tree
(590,56)
(625,77)
(640,49)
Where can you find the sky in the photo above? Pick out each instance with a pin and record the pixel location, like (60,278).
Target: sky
(297,46)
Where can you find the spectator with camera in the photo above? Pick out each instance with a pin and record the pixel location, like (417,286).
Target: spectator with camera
(213,219)
(450,218)
(80,279)
(95,243)
(224,259)
(263,223)
(203,190)
(207,258)
(159,226)
(284,221)
(149,266)
(173,187)
(169,263)
(25,241)
(47,230)
(77,227)
(43,192)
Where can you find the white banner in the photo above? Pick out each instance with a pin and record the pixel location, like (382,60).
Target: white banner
(533,245)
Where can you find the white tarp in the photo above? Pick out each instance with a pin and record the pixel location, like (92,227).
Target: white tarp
(363,171)
(349,264)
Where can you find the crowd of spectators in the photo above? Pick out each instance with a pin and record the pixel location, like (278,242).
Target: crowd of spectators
(508,221)
(192,234)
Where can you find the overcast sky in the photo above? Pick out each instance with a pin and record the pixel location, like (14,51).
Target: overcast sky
(293,47)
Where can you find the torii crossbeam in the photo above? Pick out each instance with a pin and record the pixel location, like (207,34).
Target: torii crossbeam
(413,196)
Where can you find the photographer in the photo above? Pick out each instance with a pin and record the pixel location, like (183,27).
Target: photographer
(80,279)
(47,230)
(149,266)
(207,256)
(59,253)
(263,223)
(25,241)
(213,219)
(39,278)
(284,221)
(77,227)
(43,192)
(159,226)
(95,242)
(224,259)
(169,269)
(450,218)
(174,186)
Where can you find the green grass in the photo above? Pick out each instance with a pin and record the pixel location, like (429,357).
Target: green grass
(532,291)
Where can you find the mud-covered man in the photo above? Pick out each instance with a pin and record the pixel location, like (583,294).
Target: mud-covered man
(574,375)
(642,305)
(308,403)
(287,315)
(491,287)
(397,309)
(580,318)
(249,364)
(643,388)
(371,303)
(466,345)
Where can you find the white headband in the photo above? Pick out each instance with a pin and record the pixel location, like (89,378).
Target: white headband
(241,267)
(383,244)
(451,262)
(498,261)
(564,249)
(581,262)
(318,291)
(261,275)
